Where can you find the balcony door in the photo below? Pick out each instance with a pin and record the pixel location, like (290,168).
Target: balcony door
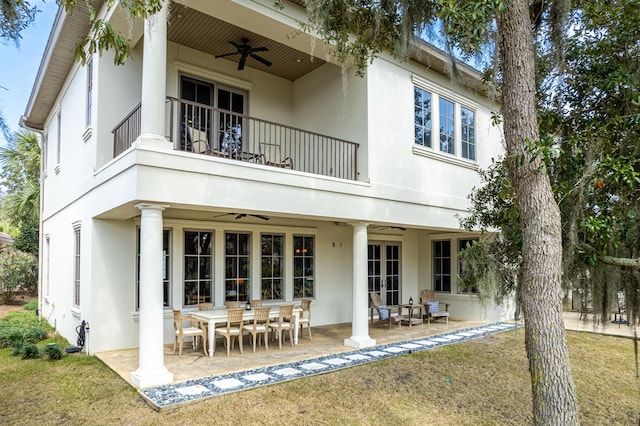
(384,270)
(222,131)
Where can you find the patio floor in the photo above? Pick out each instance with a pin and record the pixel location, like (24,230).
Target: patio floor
(198,377)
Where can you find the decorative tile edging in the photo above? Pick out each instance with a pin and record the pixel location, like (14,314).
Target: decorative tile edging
(167,396)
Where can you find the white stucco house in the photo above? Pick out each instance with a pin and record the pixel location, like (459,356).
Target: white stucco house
(183,177)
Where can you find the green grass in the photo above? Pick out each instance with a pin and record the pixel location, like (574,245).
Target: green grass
(480,382)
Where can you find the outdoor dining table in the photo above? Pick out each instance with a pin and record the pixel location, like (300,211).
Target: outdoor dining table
(220,315)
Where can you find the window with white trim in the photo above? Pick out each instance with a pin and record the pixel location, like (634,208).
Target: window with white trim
(76,267)
(462,245)
(422,116)
(47,245)
(444,122)
(89,90)
(303,266)
(468,137)
(198,267)
(166,268)
(237,266)
(272,258)
(442,266)
(58,136)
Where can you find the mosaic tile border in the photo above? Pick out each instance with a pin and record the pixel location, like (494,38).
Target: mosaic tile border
(166,396)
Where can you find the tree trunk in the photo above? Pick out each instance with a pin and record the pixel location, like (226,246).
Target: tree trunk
(554,395)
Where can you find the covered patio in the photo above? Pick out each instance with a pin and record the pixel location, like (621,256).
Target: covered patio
(327,340)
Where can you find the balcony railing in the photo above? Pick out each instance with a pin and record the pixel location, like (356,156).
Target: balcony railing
(201,129)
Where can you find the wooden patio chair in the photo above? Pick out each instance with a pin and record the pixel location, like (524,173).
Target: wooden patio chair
(233,329)
(433,308)
(270,155)
(259,328)
(195,329)
(283,323)
(305,316)
(385,314)
(232,304)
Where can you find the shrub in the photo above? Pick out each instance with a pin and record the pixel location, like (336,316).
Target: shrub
(31,306)
(20,328)
(53,351)
(18,273)
(30,351)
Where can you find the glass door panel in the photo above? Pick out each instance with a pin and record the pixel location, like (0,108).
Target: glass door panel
(384,271)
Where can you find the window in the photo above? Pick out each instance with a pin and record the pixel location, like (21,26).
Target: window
(223,130)
(422,116)
(47,244)
(463,244)
(76,269)
(443,121)
(89,89)
(442,266)
(272,254)
(303,267)
(59,133)
(166,268)
(447,128)
(198,265)
(468,133)
(237,266)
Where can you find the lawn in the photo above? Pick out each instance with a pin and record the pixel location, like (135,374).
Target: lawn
(480,382)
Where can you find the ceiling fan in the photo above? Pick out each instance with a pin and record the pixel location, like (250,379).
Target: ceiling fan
(245,50)
(382,228)
(242,215)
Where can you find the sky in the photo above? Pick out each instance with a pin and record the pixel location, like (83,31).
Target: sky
(19,65)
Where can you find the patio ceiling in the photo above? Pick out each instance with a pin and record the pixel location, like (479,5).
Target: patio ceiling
(199,31)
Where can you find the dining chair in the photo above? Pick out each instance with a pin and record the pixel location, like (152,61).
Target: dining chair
(255,303)
(233,329)
(283,323)
(194,330)
(232,304)
(205,306)
(259,328)
(305,316)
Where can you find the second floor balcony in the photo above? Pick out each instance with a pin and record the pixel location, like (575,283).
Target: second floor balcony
(204,130)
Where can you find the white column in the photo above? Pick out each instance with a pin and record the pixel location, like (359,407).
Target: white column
(360,323)
(151,370)
(154,79)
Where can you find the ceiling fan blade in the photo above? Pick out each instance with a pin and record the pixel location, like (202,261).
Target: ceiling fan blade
(259,216)
(243,59)
(240,216)
(260,49)
(235,44)
(259,59)
(226,54)
(223,214)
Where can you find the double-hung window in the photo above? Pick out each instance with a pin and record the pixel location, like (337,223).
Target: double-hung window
(76,268)
(422,116)
(89,90)
(166,268)
(198,267)
(444,122)
(447,128)
(468,118)
(303,266)
(442,266)
(462,245)
(237,266)
(272,256)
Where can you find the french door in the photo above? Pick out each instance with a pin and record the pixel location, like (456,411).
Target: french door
(384,270)
(221,131)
